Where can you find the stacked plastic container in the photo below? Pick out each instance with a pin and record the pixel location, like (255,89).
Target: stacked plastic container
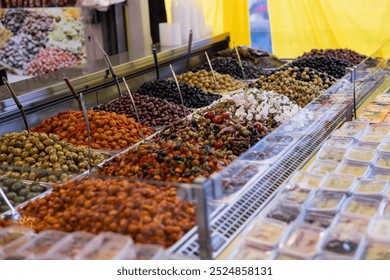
(339,208)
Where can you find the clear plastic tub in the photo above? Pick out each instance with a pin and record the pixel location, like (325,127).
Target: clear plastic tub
(381,129)
(370,188)
(281,255)
(385,209)
(331,154)
(361,206)
(328,202)
(13,247)
(383,99)
(341,242)
(70,246)
(366,145)
(338,183)
(383,162)
(265,232)
(372,137)
(303,240)
(306,179)
(284,212)
(264,152)
(246,252)
(318,219)
(145,252)
(380,229)
(384,148)
(355,126)
(295,194)
(346,133)
(322,167)
(379,174)
(376,250)
(360,155)
(351,223)
(339,143)
(12,233)
(106,246)
(40,244)
(351,168)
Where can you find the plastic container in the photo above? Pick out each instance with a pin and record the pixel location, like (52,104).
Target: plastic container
(40,244)
(351,223)
(306,179)
(303,240)
(337,183)
(351,168)
(12,233)
(342,242)
(383,162)
(145,252)
(381,129)
(284,212)
(379,174)
(278,139)
(238,174)
(385,209)
(366,145)
(339,143)
(380,229)
(318,219)
(384,148)
(372,137)
(295,194)
(322,167)
(106,246)
(265,233)
(372,117)
(346,133)
(361,206)
(327,202)
(360,155)
(370,188)
(281,255)
(331,154)
(246,252)
(70,246)
(13,246)
(355,126)
(376,250)
(264,152)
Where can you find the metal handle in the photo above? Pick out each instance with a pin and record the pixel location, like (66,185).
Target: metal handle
(85,113)
(73,91)
(156,64)
(189,50)
(20,107)
(177,84)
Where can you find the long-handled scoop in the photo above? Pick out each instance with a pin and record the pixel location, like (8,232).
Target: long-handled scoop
(73,91)
(12,92)
(112,71)
(177,84)
(85,113)
(189,50)
(212,71)
(156,64)
(240,62)
(15,215)
(135,107)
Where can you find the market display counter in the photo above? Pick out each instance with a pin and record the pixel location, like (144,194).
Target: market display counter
(242,181)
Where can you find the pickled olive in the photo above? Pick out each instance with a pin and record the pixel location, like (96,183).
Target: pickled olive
(147,213)
(70,126)
(193,97)
(152,111)
(44,164)
(17,191)
(224,83)
(231,66)
(345,54)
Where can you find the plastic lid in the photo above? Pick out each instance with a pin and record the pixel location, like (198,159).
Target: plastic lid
(360,155)
(361,206)
(338,182)
(265,232)
(351,168)
(322,167)
(331,154)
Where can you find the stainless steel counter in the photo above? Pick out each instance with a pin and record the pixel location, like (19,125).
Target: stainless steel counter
(46,95)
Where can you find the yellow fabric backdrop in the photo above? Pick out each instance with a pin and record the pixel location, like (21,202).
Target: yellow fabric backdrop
(225,16)
(300,25)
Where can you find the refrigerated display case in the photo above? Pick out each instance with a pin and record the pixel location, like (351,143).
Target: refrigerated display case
(243,189)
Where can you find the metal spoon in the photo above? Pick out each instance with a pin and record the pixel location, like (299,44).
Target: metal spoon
(15,215)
